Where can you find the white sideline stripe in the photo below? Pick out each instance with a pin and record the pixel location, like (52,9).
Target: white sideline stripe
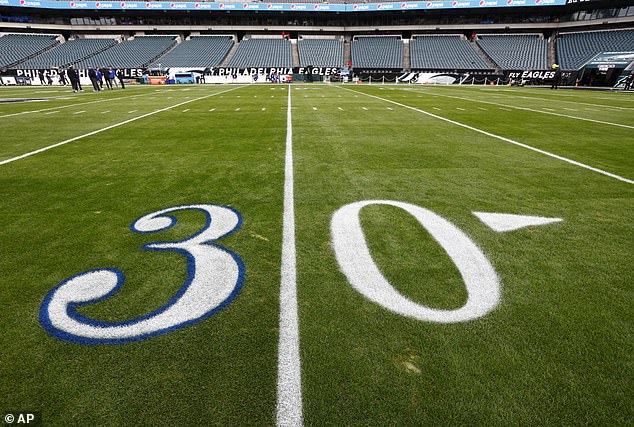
(95,132)
(539,111)
(71,105)
(80,112)
(573,102)
(501,138)
(289,375)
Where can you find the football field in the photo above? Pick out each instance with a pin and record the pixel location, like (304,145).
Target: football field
(358,255)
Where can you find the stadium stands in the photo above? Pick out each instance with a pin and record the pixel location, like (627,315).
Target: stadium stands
(17,47)
(516,52)
(199,51)
(134,53)
(67,53)
(575,49)
(377,52)
(262,53)
(320,52)
(445,52)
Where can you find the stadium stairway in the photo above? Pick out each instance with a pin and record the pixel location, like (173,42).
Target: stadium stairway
(59,39)
(347,50)
(486,58)
(552,55)
(295,52)
(407,65)
(178,41)
(230,54)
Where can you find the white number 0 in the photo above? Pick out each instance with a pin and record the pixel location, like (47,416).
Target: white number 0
(215,276)
(355,260)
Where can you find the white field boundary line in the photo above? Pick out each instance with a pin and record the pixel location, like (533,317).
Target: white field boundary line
(562,100)
(95,132)
(289,375)
(501,138)
(528,109)
(74,105)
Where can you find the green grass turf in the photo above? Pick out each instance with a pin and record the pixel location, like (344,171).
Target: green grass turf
(557,351)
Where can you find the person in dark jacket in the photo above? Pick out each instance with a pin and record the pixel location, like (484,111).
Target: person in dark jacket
(556,77)
(92,75)
(40,74)
(106,76)
(120,77)
(62,76)
(628,81)
(73,76)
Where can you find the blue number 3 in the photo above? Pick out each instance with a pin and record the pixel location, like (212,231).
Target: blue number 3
(215,276)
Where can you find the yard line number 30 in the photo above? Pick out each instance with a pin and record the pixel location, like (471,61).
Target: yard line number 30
(216,274)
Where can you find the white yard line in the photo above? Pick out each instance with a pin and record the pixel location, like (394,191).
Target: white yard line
(537,111)
(71,105)
(289,375)
(95,132)
(501,138)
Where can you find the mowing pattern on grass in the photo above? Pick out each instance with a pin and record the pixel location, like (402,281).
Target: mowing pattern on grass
(393,207)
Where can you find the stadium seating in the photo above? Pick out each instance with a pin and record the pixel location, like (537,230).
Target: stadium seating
(17,47)
(320,52)
(68,53)
(575,49)
(199,51)
(262,53)
(377,52)
(447,52)
(516,52)
(134,53)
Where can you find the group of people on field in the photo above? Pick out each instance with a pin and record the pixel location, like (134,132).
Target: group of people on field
(113,78)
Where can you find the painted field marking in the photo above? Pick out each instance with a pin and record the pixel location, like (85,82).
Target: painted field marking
(570,109)
(573,102)
(72,105)
(289,373)
(52,112)
(80,112)
(340,109)
(436,108)
(238,109)
(132,111)
(105,112)
(537,111)
(461,109)
(185,110)
(314,108)
(501,138)
(548,109)
(263,109)
(483,109)
(364,108)
(212,109)
(390,108)
(95,132)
